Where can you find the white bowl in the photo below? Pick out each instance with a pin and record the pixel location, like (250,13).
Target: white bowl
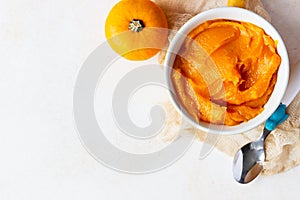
(238,14)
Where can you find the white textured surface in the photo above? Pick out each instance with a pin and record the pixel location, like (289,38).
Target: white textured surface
(43,44)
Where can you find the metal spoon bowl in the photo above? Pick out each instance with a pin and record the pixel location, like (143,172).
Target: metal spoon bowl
(248,161)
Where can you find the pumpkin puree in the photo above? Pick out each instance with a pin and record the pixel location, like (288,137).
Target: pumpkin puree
(225,72)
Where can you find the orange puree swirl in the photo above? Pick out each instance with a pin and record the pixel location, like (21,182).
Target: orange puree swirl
(225,72)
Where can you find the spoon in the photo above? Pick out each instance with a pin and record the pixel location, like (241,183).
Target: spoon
(248,161)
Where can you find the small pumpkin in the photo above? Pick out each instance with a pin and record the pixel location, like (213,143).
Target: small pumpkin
(136,29)
(237,3)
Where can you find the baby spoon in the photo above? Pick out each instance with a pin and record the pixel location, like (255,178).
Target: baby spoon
(248,161)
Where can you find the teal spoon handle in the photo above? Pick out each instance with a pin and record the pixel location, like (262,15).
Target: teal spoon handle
(278,117)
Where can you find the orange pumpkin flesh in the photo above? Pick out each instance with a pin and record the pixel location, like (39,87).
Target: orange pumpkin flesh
(136,29)
(247,62)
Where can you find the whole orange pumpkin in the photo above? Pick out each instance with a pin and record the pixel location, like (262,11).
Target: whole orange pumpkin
(136,29)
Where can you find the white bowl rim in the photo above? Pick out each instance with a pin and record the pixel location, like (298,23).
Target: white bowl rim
(237,14)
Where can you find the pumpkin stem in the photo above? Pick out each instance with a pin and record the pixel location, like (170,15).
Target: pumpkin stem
(136,25)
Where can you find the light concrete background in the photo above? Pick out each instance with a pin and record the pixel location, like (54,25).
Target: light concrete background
(42,46)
